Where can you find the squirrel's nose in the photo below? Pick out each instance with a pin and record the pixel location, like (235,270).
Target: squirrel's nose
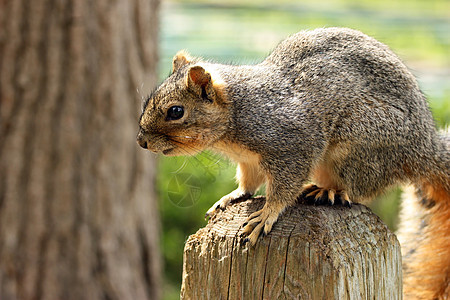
(141,141)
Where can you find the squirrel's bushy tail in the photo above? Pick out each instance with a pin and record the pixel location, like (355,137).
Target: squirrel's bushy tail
(424,233)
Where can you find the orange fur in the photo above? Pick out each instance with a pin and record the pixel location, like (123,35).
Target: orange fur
(436,192)
(322,174)
(323,178)
(426,245)
(249,174)
(237,153)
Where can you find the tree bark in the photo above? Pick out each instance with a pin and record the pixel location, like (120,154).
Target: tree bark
(311,253)
(78,217)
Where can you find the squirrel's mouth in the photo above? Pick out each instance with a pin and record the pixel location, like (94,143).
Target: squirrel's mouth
(167,151)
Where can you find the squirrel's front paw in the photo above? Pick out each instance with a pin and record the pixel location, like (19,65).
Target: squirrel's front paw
(317,195)
(262,219)
(225,200)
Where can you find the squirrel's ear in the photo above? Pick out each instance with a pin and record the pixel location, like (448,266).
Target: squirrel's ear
(197,76)
(199,81)
(180,59)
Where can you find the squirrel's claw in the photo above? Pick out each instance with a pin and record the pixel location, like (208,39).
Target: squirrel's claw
(262,221)
(225,201)
(345,200)
(213,210)
(322,196)
(309,188)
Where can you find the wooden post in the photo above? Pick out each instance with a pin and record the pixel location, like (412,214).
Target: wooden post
(313,252)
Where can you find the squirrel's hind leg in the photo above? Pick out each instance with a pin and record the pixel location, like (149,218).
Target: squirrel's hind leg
(328,190)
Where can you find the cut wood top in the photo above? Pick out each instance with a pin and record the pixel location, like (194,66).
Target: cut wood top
(323,226)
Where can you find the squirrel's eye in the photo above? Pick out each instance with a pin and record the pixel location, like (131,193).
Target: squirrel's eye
(175,113)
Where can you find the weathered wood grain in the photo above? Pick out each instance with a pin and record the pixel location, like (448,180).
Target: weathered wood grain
(313,252)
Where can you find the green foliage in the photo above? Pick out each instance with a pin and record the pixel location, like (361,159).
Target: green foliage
(187,188)
(245,32)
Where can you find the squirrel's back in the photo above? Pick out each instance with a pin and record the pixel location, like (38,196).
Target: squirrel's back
(329,41)
(359,92)
(347,63)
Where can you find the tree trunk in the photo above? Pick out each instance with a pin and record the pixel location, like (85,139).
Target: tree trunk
(312,253)
(78,217)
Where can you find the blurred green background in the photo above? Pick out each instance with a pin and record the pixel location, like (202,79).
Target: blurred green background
(244,32)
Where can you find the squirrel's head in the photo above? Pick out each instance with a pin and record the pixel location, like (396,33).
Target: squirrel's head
(188,112)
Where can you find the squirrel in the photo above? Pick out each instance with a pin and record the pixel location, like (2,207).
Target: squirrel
(331,106)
